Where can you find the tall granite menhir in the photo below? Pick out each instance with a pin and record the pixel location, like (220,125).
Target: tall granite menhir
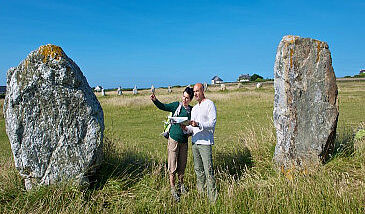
(53,120)
(305,105)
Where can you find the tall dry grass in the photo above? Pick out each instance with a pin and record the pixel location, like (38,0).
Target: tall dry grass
(134,177)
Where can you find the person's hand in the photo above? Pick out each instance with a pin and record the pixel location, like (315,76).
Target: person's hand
(153,97)
(194,123)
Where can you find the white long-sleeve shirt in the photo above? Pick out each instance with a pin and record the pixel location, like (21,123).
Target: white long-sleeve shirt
(206,115)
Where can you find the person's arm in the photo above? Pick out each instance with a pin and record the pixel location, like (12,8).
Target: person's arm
(171,107)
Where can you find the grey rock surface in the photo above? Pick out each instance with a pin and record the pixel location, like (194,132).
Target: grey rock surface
(305,103)
(205,87)
(53,120)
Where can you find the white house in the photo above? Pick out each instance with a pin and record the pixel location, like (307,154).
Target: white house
(244,78)
(216,80)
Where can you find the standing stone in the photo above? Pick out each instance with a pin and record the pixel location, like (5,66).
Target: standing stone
(135,90)
(305,106)
(169,90)
(205,87)
(223,87)
(98,88)
(119,91)
(153,89)
(258,85)
(239,85)
(53,120)
(102,92)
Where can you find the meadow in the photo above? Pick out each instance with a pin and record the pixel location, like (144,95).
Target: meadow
(133,177)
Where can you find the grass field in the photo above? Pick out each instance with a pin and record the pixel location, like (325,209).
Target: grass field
(133,177)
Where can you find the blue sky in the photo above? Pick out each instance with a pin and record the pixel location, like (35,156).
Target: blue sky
(123,43)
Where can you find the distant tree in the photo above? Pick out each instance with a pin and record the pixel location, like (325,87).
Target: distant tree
(255,76)
(259,80)
(359,75)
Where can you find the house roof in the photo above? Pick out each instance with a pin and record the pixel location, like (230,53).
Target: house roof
(216,78)
(244,76)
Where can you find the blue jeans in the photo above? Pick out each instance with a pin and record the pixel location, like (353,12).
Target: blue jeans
(203,166)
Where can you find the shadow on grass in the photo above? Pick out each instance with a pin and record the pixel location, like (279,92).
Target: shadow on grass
(343,145)
(128,167)
(234,163)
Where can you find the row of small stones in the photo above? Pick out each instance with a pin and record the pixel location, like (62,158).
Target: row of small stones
(169,90)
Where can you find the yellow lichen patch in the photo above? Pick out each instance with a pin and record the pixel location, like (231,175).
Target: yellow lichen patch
(289,39)
(292,39)
(51,51)
(291,57)
(26,63)
(319,46)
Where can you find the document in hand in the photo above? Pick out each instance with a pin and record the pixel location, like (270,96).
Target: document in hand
(181,120)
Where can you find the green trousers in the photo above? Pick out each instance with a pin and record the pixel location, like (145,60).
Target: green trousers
(203,166)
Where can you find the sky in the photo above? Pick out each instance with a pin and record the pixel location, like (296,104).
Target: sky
(161,43)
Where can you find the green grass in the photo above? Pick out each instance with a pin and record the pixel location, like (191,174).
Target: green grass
(134,179)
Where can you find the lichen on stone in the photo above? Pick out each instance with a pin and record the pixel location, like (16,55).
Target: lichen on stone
(51,51)
(53,120)
(305,86)
(319,47)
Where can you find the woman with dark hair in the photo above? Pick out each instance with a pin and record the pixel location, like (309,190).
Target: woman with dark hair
(177,147)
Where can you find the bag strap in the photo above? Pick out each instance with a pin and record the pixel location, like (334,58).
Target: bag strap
(188,109)
(177,111)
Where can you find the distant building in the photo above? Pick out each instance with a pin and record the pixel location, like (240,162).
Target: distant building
(2,90)
(362,71)
(98,88)
(216,80)
(244,78)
